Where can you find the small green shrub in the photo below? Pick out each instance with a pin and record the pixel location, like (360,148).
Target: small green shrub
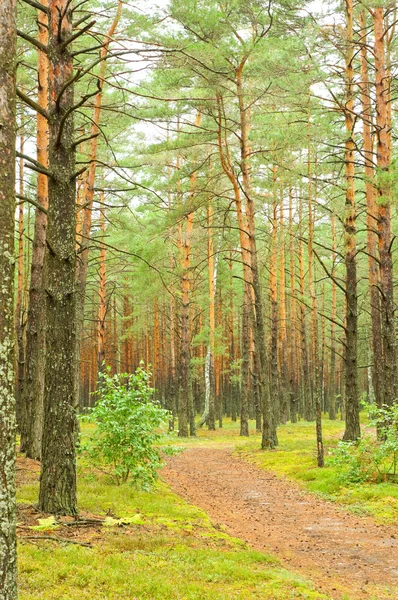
(371,459)
(127,433)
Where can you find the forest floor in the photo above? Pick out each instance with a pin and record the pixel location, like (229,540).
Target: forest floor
(139,545)
(347,555)
(239,525)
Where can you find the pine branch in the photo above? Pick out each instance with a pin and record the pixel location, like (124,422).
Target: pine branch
(67,114)
(38,6)
(36,107)
(33,41)
(84,139)
(30,201)
(34,164)
(77,35)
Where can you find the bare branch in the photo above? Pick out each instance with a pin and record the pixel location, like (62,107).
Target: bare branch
(32,104)
(32,41)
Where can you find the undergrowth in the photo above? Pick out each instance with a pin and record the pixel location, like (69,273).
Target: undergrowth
(167,549)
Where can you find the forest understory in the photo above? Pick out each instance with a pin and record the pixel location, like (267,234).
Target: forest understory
(262,535)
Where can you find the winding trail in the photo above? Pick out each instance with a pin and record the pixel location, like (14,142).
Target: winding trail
(346,556)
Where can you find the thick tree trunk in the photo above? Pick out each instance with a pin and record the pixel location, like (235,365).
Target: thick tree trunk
(33,388)
(390,377)
(8,559)
(58,474)
(352,430)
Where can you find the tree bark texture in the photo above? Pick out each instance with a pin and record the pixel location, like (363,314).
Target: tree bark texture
(8,560)
(33,387)
(58,475)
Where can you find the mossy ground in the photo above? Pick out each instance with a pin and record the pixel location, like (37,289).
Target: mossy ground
(172,551)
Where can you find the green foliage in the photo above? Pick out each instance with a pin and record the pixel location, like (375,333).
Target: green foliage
(371,460)
(127,428)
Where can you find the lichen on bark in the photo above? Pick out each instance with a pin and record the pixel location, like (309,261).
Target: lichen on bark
(8,563)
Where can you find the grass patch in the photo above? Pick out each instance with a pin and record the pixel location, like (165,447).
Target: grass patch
(171,551)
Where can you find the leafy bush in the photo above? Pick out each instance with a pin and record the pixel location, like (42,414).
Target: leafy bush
(371,459)
(127,423)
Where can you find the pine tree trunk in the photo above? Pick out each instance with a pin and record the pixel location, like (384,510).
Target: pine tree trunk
(284,343)
(8,559)
(212,266)
(82,264)
(19,305)
(352,430)
(33,388)
(383,200)
(58,475)
(305,375)
(101,339)
(273,290)
(333,387)
(293,354)
(269,435)
(371,220)
(313,392)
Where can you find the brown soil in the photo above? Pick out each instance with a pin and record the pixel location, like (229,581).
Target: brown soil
(346,556)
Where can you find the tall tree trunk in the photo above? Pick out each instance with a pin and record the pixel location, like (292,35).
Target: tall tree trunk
(82,265)
(33,388)
(8,559)
(317,384)
(101,341)
(311,399)
(333,387)
(383,199)
(352,429)
(273,290)
(185,416)
(209,415)
(19,305)
(371,219)
(305,375)
(293,354)
(269,435)
(58,475)
(284,343)
(228,168)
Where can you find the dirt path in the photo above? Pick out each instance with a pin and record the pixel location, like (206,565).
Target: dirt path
(341,553)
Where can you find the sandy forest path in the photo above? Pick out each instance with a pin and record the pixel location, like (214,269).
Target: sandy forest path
(346,556)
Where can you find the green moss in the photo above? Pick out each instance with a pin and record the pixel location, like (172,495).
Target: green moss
(174,552)
(161,568)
